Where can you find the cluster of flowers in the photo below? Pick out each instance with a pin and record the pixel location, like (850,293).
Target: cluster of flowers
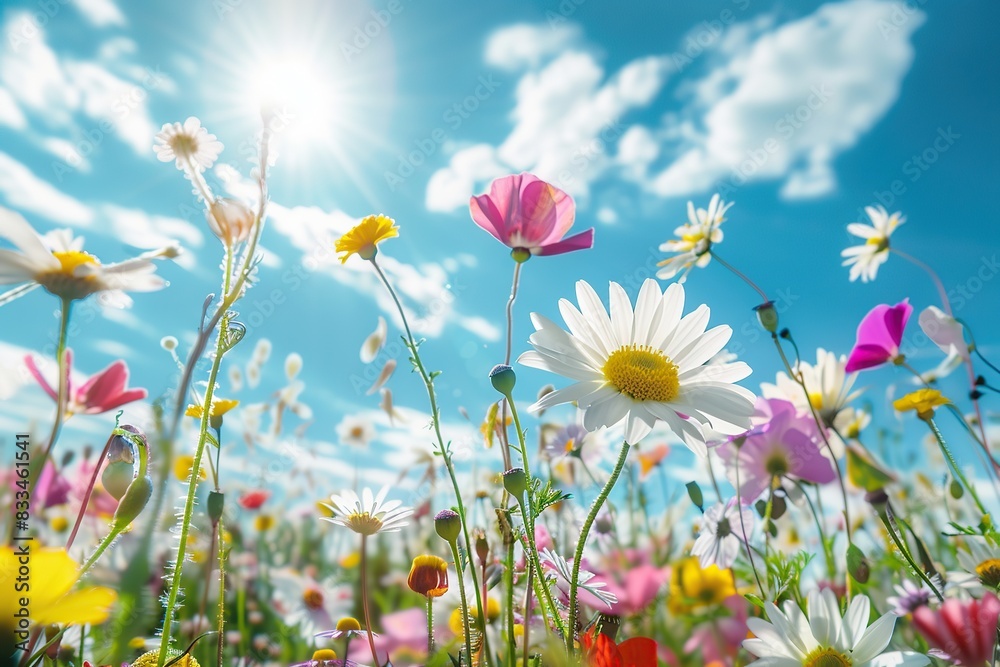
(538,578)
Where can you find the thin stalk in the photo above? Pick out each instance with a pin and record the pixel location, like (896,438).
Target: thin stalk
(739,274)
(465,603)
(428,381)
(901,545)
(88,493)
(831,568)
(221,624)
(595,507)
(62,398)
(430,627)
(743,530)
(509,584)
(364,599)
(953,463)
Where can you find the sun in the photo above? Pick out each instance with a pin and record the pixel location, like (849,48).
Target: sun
(296,95)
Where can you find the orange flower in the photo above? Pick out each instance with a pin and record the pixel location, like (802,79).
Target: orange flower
(428,576)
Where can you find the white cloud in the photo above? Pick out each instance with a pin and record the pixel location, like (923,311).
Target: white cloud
(24,190)
(567,115)
(66,152)
(526,44)
(787,103)
(61,90)
(101,13)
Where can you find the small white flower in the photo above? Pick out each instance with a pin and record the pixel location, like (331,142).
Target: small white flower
(368,514)
(564,575)
(721,534)
(946,332)
(355,431)
(825,639)
(189,144)
(694,240)
(643,365)
(57,262)
(865,259)
(304,602)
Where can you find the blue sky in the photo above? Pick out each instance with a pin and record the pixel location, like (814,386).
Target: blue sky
(802,113)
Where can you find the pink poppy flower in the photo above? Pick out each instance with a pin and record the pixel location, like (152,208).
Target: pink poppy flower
(529,215)
(403,639)
(961,631)
(101,392)
(879,336)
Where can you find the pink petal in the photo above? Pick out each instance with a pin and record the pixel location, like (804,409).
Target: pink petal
(873,331)
(866,356)
(642,584)
(896,319)
(537,219)
(29,361)
(486,215)
(581,241)
(106,390)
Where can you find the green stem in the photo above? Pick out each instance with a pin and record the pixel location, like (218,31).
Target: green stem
(465,604)
(428,380)
(954,464)
(901,545)
(509,584)
(101,548)
(221,625)
(595,507)
(430,628)
(62,398)
(364,599)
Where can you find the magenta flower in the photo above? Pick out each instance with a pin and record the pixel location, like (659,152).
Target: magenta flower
(962,632)
(529,215)
(783,444)
(879,336)
(101,392)
(403,639)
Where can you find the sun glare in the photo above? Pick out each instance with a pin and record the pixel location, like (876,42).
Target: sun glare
(298,96)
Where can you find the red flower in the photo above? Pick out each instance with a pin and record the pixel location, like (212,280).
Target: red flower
(961,631)
(601,651)
(252,500)
(102,392)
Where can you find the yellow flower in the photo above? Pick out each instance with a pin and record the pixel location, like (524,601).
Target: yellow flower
(364,237)
(693,586)
(182,468)
(150,659)
(455,623)
(351,560)
(263,522)
(923,401)
(428,576)
(51,575)
(220,406)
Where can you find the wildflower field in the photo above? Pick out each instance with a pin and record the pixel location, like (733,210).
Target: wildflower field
(610,372)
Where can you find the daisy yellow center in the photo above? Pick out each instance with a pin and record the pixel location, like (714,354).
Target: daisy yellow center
(816,400)
(642,373)
(70,259)
(692,238)
(570,444)
(989,572)
(364,523)
(183,145)
(357,432)
(312,598)
(880,243)
(348,624)
(826,657)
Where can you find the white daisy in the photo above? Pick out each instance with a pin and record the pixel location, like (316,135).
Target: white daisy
(825,639)
(643,365)
(189,144)
(57,262)
(564,575)
(356,431)
(694,239)
(312,606)
(721,534)
(982,560)
(831,390)
(865,259)
(367,515)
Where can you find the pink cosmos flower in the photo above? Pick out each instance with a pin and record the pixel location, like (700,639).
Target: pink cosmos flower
(525,213)
(783,443)
(879,336)
(719,639)
(102,392)
(961,631)
(403,639)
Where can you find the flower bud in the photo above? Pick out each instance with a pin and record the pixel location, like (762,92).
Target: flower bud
(448,525)
(428,576)
(482,545)
(168,343)
(515,482)
(956,489)
(767,315)
(694,493)
(503,378)
(117,477)
(216,504)
(857,564)
(132,503)
(230,220)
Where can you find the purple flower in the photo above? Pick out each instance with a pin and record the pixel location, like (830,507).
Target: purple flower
(879,336)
